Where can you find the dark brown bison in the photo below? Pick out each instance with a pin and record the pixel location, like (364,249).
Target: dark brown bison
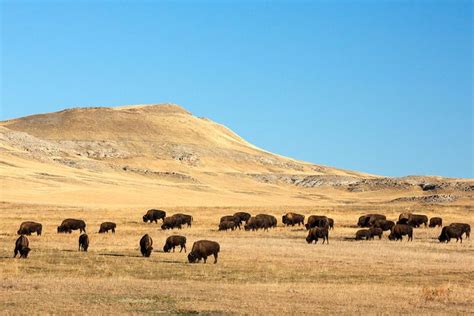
(21,247)
(399,230)
(383,224)
(466,228)
(375,231)
(256,223)
(146,245)
(292,219)
(317,221)
(106,226)
(368,219)
(154,215)
(174,241)
(184,219)
(226,225)
(404,217)
(83,242)
(68,225)
(202,249)
(317,232)
(436,221)
(270,218)
(449,232)
(362,234)
(231,218)
(27,228)
(416,220)
(331,223)
(243,216)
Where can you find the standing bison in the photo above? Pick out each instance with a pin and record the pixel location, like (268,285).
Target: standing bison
(416,220)
(383,224)
(202,249)
(243,216)
(292,219)
(269,218)
(466,228)
(256,223)
(231,218)
(435,221)
(184,219)
(154,215)
(83,242)
(362,234)
(317,221)
(226,225)
(375,231)
(449,232)
(146,245)
(27,228)
(317,232)
(21,247)
(368,219)
(106,226)
(68,225)
(399,230)
(174,241)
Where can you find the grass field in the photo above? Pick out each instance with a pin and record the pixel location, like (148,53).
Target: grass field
(273,272)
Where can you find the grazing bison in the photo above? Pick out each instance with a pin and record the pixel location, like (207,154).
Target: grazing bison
(436,221)
(416,220)
(21,247)
(317,232)
(269,218)
(243,216)
(256,223)
(146,245)
(27,228)
(363,234)
(176,221)
(184,219)
(375,231)
(399,230)
(173,241)
(202,249)
(227,225)
(449,232)
(68,225)
(231,218)
(106,226)
(368,219)
(292,219)
(154,216)
(383,224)
(466,228)
(316,221)
(83,242)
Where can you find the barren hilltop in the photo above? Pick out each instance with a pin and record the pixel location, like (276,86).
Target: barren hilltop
(161,154)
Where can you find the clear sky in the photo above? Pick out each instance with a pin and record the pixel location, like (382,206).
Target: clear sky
(384,87)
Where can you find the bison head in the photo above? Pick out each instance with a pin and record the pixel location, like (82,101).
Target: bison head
(61,229)
(145,218)
(192,257)
(166,248)
(148,251)
(442,238)
(24,252)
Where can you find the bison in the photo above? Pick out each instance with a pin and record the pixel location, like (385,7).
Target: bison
(317,232)
(184,219)
(173,241)
(106,226)
(175,221)
(292,219)
(232,218)
(317,221)
(449,232)
(383,224)
(146,245)
(435,221)
(68,225)
(416,220)
(21,247)
(27,228)
(83,242)
(466,228)
(399,230)
(243,216)
(270,218)
(227,225)
(368,219)
(375,231)
(202,249)
(256,223)
(154,215)
(331,223)
(363,234)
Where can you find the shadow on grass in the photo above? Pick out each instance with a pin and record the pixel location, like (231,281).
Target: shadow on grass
(119,255)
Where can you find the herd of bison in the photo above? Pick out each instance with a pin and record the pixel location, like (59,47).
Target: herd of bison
(318,227)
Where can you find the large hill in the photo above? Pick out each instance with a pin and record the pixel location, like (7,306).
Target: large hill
(162,155)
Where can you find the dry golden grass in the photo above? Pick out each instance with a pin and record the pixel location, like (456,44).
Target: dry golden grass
(274,272)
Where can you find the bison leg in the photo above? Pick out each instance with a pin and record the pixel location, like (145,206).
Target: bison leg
(205,259)
(15,252)
(215,257)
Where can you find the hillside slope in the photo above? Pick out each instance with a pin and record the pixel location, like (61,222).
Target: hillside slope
(163,155)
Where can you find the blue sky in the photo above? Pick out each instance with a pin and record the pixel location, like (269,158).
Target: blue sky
(384,87)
